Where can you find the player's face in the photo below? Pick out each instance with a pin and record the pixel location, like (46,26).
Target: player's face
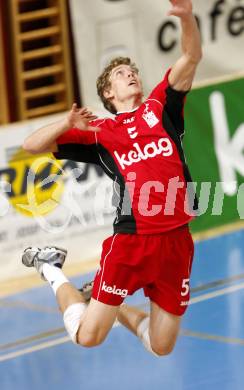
(125,83)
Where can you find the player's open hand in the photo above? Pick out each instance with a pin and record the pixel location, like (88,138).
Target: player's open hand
(80,118)
(180,8)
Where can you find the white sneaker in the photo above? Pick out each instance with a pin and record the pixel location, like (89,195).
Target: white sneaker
(29,255)
(36,257)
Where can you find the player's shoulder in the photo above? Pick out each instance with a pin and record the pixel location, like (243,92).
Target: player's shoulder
(104,123)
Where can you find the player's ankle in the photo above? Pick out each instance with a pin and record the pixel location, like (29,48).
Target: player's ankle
(54,275)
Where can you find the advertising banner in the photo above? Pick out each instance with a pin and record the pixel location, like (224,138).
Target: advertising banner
(214,147)
(141,29)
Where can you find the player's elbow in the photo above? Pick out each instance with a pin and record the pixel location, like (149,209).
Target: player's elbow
(30,146)
(195,58)
(199,55)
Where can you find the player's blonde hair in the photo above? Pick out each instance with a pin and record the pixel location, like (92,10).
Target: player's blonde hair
(103,81)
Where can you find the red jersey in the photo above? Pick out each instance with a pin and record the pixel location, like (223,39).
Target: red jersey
(141,151)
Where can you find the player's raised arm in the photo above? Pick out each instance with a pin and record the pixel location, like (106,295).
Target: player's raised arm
(182,73)
(43,139)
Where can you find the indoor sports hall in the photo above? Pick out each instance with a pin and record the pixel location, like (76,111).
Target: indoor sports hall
(51,52)
(36,351)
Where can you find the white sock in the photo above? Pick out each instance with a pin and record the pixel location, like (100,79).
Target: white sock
(54,276)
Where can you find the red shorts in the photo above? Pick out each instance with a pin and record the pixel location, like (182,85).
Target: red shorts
(158,263)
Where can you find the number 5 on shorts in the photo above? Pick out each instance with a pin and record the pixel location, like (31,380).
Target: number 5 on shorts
(185,287)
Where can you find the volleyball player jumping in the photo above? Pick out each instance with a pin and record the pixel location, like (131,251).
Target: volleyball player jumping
(140,149)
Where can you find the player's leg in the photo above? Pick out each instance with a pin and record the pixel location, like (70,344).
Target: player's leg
(93,323)
(85,325)
(127,250)
(128,316)
(169,293)
(157,331)
(131,317)
(164,329)
(96,323)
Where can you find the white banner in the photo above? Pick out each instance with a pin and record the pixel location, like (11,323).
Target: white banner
(65,203)
(142,30)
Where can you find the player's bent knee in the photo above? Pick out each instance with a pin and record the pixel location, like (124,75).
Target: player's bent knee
(72,319)
(162,349)
(161,345)
(89,340)
(154,344)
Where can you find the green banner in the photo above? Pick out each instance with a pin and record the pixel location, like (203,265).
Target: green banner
(214,149)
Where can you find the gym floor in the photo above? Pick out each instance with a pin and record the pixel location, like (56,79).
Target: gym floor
(35,352)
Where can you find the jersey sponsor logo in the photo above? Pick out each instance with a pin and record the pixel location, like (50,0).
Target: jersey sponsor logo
(150,117)
(114,290)
(129,120)
(163,147)
(184,303)
(132,132)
